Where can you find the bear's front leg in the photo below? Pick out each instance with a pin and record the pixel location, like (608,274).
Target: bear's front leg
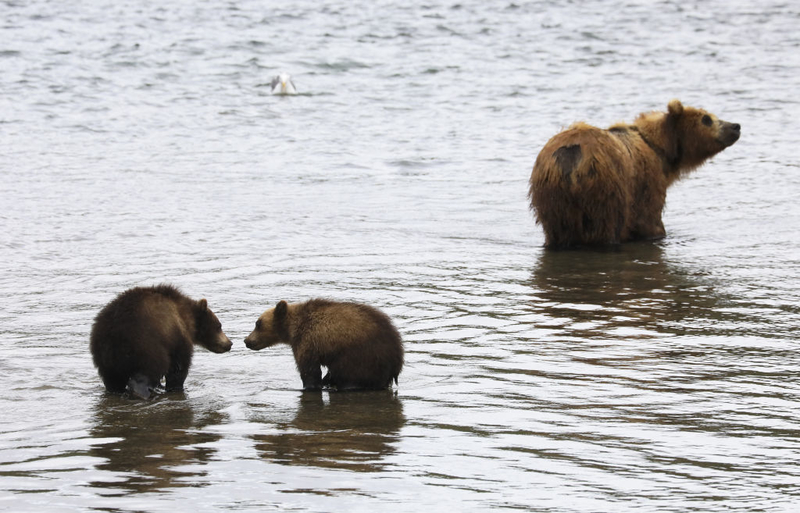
(652,229)
(311,376)
(175,377)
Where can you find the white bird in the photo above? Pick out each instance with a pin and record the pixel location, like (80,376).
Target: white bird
(282,84)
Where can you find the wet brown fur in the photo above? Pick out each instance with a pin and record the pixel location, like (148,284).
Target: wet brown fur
(591,186)
(357,343)
(147,333)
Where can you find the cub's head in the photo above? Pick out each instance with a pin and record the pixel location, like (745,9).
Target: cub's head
(699,134)
(270,328)
(208,329)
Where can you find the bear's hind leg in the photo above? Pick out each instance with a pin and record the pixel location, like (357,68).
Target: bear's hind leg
(360,377)
(141,386)
(337,383)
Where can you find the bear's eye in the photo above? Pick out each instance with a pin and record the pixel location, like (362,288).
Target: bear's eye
(258,324)
(707,120)
(219,326)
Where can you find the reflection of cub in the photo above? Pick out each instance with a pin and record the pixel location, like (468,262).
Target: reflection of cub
(357,343)
(147,333)
(356,431)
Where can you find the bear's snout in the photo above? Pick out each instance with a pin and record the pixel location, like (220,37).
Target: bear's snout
(223,345)
(729,133)
(256,343)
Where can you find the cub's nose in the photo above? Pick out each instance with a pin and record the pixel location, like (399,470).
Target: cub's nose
(736,127)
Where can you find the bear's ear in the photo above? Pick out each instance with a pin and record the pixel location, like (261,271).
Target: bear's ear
(202,305)
(281,309)
(675,108)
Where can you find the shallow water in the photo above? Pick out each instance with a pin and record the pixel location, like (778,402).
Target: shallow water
(140,144)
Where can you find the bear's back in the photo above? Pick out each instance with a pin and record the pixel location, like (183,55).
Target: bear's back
(147,311)
(340,324)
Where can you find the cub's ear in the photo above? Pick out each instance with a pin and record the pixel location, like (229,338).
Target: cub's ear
(281,309)
(202,305)
(675,108)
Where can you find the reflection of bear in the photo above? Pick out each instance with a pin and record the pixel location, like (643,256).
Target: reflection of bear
(631,291)
(357,343)
(354,431)
(152,448)
(147,333)
(591,186)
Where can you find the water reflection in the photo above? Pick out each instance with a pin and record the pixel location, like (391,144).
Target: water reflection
(144,443)
(353,431)
(633,288)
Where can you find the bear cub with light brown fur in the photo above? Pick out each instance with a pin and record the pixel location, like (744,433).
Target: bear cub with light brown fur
(147,333)
(358,344)
(591,186)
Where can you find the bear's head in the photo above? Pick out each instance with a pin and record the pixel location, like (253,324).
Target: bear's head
(208,329)
(271,328)
(698,134)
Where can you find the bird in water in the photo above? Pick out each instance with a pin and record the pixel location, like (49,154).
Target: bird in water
(282,84)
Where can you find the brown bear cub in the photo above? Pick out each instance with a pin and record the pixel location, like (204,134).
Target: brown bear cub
(591,186)
(358,344)
(147,333)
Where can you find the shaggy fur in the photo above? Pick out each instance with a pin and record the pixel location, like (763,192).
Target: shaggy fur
(591,186)
(358,344)
(147,333)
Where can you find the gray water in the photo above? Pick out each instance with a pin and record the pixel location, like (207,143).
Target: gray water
(139,144)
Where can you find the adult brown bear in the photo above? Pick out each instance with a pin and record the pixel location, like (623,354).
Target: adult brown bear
(591,186)
(357,343)
(147,333)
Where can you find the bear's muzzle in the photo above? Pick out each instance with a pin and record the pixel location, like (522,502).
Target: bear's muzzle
(729,133)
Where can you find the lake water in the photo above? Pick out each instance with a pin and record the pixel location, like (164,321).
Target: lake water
(139,144)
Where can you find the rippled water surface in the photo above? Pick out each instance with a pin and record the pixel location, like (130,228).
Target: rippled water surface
(139,143)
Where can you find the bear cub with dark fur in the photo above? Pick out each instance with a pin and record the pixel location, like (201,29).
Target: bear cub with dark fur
(147,333)
(358,344)
(591,186)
